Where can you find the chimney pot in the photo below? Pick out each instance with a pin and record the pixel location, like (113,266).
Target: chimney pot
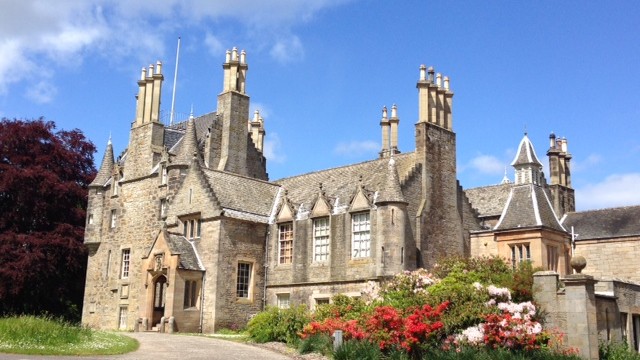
(423,72)
(158,67)
(384,112)
(439,80)
(150,73)
(234,54)
(228,56)
(143,74)
(394,111)
(256,115)
(243,57)
(446,83)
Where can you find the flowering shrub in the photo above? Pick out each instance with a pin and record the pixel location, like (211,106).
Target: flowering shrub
(407,289)
(386,327)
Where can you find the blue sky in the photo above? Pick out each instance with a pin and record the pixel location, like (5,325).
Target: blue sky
(321,70)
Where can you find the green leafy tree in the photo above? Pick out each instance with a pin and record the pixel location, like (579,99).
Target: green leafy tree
(44,176)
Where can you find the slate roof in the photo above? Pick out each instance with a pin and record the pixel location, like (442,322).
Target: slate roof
(175,132)
(341,183)
(106,168)
(178,244)
(528,205)
(391,190)
(489,200)
(526,154)
(241,193)
(604,223)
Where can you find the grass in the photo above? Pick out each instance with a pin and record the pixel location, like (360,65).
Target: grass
(46,336)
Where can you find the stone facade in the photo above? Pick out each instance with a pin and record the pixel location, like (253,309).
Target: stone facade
(186,232)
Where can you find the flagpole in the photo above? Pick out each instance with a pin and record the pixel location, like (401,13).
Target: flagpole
(175,80)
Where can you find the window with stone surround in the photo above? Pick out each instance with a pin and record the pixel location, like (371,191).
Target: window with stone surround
(124,268)
(283,301)
(321,239)
(519,254)
(163,208)
(361,235)
(192,228)
(113,218)
(163,176)
(191,294)
(285,243)
(243,280)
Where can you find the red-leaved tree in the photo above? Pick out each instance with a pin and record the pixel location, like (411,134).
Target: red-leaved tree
(44,176)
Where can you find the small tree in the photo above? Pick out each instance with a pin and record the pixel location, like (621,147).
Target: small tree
(44,176)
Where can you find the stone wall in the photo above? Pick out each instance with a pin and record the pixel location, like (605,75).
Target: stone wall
(608,258)
(440,224)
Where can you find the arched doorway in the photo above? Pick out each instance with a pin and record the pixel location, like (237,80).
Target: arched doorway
(159,295)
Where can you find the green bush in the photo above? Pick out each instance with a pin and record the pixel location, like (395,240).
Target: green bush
(282,325)
(342,306)
(317,343)
(617,351)
(357,349)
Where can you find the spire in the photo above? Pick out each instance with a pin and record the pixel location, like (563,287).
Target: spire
(106,168)
(505,179)
(189,145)
(391,190)
(528,167)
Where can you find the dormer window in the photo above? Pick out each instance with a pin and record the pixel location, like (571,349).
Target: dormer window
(192,228)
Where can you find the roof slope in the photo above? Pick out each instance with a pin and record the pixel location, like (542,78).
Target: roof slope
(528,206)
(242,193)
(178,244)
(489,200)
(106,168)
(526,154)
(340,183)
(605,223)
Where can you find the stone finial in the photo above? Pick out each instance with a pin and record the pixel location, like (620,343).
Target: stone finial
(578,263)
(394,111)
(423,72)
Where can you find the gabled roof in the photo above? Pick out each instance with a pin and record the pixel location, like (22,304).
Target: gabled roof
(489,200)
(604,223)
(528,205)
(242,194)
(341,183)
(179,245)
(526,154)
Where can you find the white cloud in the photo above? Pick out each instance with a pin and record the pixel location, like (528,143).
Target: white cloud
(578,165)
(42,93)
(487,164)
(357,148)
(272,148)
(42,35)
(614,190)
(288,49)
(214,45)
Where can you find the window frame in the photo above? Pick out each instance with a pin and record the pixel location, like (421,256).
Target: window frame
(322,240)
(518,252)
(285,243)
(112,223)
(125,263)
(283,300)
(191,293)
(244,279)
(361,236)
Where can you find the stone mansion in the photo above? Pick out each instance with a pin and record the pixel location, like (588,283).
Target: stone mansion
(186,232)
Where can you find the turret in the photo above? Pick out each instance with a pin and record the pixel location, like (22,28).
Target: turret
(528,167)
(392,220)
